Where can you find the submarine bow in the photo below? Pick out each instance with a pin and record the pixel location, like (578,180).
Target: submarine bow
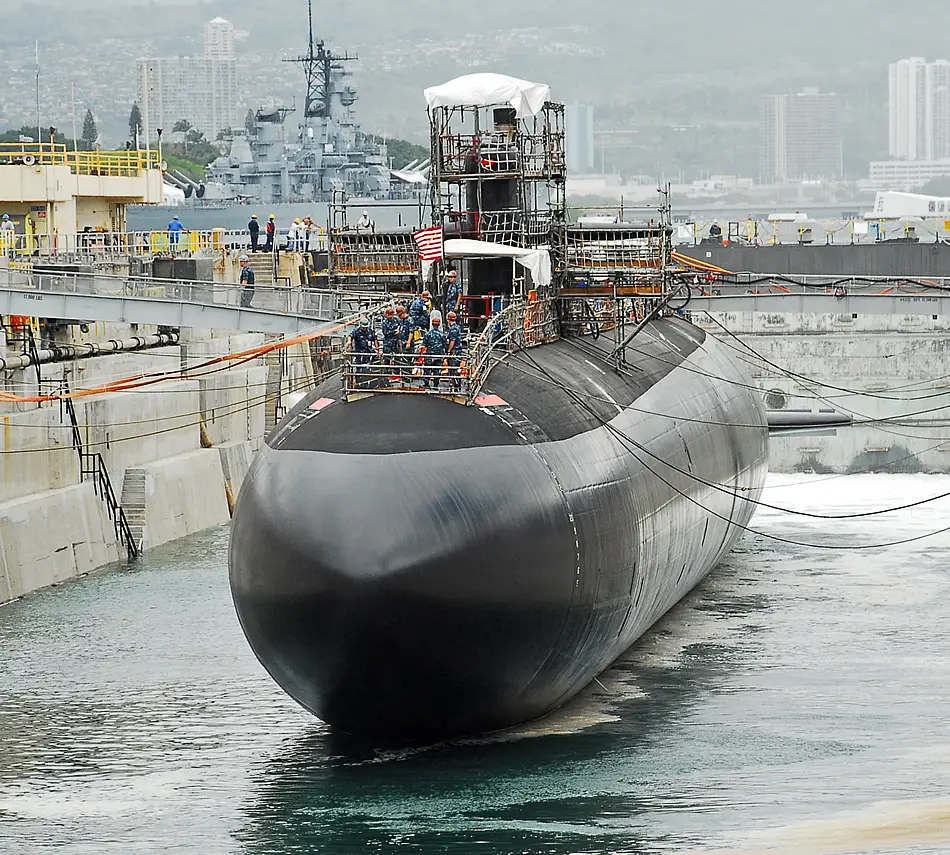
(405,567)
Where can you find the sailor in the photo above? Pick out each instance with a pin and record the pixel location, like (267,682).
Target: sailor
(434,346)
(405,332)
(420,312)
(452,299)
(270,230)
(175,228)
(364,223)
(293,234)
(391,342)
(246,282)
(453,335)
(363,345)
(254,227)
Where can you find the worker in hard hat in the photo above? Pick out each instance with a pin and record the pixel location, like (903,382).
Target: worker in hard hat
(420,313)
(246,281)
(364,223)
(271,232)
(175,228)
(391,343)
(254,228)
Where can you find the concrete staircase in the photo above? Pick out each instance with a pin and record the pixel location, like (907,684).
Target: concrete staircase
(262,263)
(133,502)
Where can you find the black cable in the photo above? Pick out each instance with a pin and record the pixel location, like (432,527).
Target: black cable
(801,377)
(624,439)
(598,399)
(863,418)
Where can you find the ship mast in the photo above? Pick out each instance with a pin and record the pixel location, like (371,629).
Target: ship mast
(318,65)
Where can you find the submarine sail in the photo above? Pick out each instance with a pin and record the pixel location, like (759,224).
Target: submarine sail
(432,545)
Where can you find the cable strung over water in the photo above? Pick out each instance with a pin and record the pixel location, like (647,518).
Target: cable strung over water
(628,441)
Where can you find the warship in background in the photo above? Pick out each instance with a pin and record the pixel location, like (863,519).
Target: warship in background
(283,160)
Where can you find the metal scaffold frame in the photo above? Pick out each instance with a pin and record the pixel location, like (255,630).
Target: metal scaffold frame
(471,151)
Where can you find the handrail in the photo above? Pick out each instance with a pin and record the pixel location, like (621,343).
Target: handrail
(93,465)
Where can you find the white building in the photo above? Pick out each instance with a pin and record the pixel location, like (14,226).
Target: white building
(919,114)
(906,174)
(219,39)
(201,90)
(801,137)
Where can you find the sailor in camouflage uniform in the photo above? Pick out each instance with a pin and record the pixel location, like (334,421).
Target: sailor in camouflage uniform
(435,346)
(364,346)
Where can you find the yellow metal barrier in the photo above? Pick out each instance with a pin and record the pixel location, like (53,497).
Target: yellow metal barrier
(129,162)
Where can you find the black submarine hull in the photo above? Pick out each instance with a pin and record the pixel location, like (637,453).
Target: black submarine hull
(408,568)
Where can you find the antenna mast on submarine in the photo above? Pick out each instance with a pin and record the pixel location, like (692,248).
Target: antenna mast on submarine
(318,66)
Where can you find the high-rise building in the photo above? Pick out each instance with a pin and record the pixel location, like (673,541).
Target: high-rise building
(801,137)
(201,90)
(219,39)
(919,115)
(579,127)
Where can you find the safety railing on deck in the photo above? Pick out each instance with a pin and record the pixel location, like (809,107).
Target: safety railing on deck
(124,163)
(459,376)
(307,302)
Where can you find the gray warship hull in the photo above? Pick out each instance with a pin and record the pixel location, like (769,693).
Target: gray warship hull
(408,568)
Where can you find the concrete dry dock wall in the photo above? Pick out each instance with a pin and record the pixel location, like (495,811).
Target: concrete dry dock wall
(52,527)
(882,259)
(36,453)
(894,371)
(50,537)
(183,495)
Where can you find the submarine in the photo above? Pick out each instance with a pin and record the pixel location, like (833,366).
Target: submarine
(419,564)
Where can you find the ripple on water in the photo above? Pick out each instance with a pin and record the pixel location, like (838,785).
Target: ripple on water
(796,703)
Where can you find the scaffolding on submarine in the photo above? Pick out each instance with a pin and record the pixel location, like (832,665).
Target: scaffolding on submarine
(498,194)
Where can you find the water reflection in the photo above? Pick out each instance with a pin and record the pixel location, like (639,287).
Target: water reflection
(582,780)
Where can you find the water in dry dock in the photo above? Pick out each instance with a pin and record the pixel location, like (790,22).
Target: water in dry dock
(797,703)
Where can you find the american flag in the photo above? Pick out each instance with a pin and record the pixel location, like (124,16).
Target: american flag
(429,242)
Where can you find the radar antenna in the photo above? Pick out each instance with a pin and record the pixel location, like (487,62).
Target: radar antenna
(319,65)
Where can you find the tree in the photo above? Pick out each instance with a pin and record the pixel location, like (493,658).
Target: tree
(182,126)
(135,124)
(90,133)
(249,122)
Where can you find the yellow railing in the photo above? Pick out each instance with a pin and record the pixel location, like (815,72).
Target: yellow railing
(129,162)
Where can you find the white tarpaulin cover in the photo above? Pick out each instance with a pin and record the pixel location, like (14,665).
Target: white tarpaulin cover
(484,90)
(538,261)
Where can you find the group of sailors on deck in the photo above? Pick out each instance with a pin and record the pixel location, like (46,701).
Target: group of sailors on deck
(414,340)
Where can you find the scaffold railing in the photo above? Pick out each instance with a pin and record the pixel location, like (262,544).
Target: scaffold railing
(371,254)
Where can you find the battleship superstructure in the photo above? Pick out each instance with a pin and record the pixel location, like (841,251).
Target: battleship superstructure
(293,156)
(440,546)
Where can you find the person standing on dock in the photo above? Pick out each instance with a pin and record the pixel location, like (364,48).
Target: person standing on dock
(175,228)
(247,282)
(270,230)
(254,227)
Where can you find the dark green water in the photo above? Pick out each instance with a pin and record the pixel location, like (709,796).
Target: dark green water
(798,702)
